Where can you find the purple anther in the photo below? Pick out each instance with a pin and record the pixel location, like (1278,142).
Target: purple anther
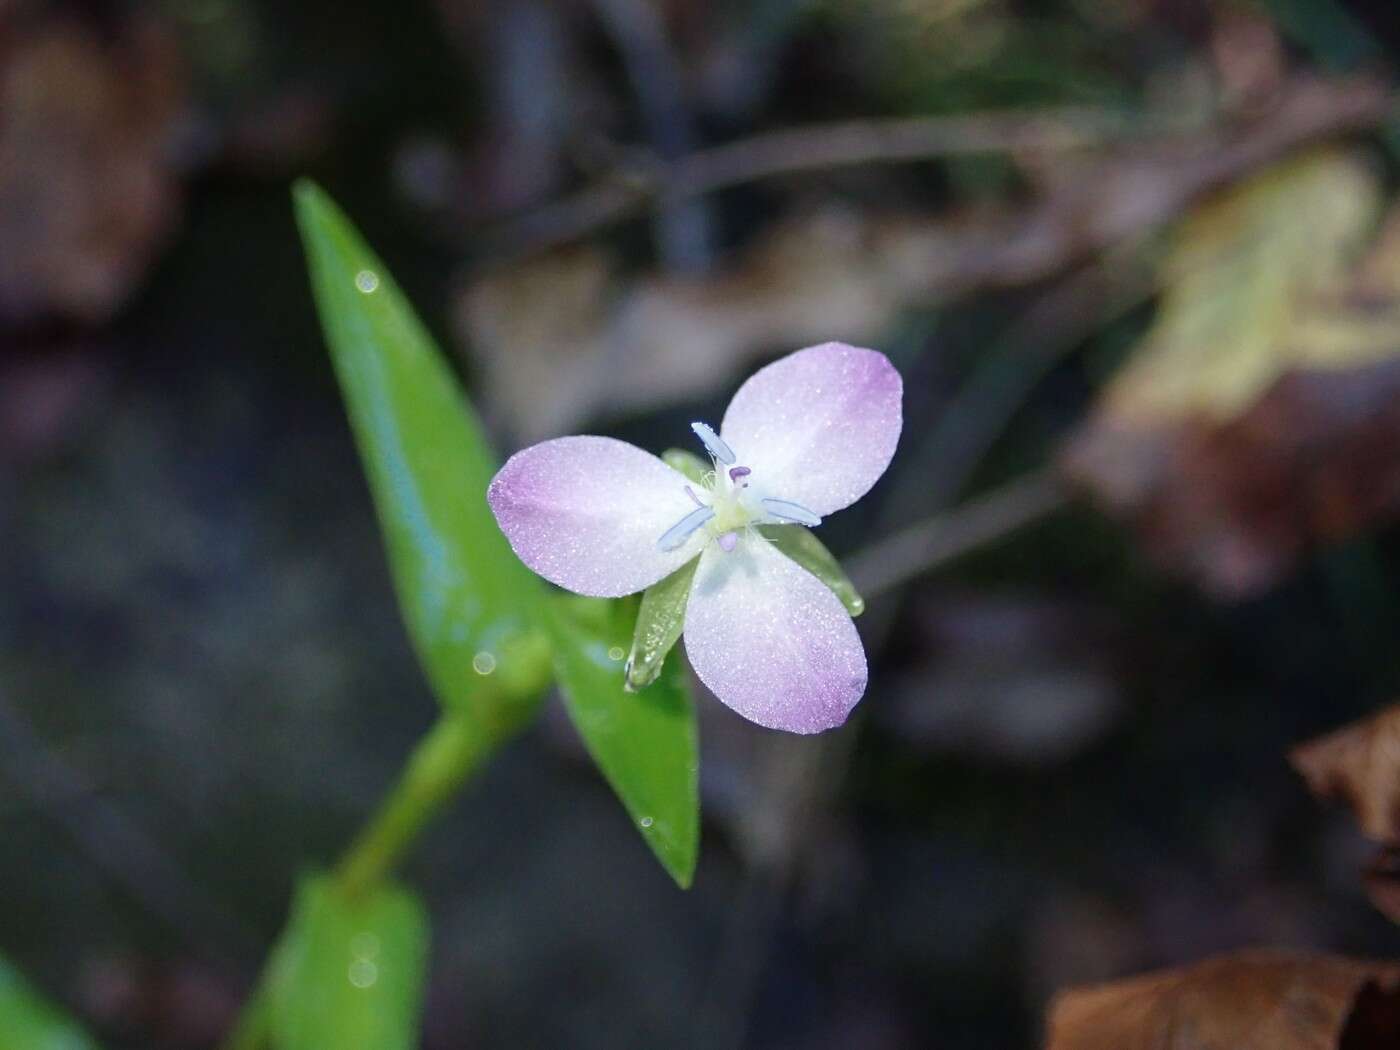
(728,541)
(735,473)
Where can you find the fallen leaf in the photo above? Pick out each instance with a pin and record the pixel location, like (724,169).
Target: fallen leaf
(564,335)
(1258,416)
(1382,881)
(1359,765)
(1255,1000)
(87,191)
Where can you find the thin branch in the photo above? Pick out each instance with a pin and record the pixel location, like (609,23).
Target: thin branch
(1308,110)
(114,840)
(638,31)
(823,146)
(943,538)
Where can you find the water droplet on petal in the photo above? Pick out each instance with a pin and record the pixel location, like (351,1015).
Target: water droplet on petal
(483,663)
(646,822)
(367,281)
(363,973)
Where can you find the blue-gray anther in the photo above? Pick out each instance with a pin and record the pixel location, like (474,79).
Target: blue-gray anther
(714,444)
(786,510)
(681,530)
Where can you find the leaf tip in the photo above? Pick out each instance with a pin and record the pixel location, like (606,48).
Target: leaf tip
(305,191)
(682,871)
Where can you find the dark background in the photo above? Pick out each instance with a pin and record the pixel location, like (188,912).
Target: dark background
(1069,766)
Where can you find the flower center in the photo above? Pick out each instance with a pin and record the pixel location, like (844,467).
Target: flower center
(728,503)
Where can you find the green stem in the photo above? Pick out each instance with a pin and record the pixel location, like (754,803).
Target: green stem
(443,760)
(439,765)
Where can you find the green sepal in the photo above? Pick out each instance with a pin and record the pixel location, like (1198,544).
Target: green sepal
(802,546)
(687,463)
(659,622)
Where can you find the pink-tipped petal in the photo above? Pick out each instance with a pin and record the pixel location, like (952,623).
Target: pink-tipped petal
(587,512)
(771,640)
(819,426)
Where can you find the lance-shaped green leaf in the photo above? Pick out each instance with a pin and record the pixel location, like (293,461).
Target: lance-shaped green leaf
(349,972)
(687,463)
(29,1022)
(802,546)
(660,620)
(470,606)
(646,743)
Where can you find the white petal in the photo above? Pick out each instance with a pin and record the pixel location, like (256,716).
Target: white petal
(819,426)
(771,640)
(587,512)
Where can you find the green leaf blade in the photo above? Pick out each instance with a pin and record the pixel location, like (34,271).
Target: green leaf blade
(646,743)
(28,1021)
(349,973)
(470,606)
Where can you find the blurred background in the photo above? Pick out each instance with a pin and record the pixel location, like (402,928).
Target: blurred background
(1133,262)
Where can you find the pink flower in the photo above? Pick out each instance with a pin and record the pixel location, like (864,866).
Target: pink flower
(803,438)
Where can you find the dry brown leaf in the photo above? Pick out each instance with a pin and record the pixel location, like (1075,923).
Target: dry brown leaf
(564,336)
(1382,881)
(1257,1000)
(86,188)
(1359,765)
(1259,415)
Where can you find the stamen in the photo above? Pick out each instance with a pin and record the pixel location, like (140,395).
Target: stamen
(786,510)
(694,498)
(735,473)
(728,542)
(714,443)
(681,530)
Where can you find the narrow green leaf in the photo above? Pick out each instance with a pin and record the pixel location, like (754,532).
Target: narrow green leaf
(349,973)
(801,545)
(645,743)
(688,463)
(660,619)
(29,1022)
(469,604)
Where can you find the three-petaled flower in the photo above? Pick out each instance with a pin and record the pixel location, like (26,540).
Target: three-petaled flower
(803,438)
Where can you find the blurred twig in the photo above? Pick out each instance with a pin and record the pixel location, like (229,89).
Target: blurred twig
(639,33)
(800,779)
(792,150)
(115,841)
(970,424)
(1189,159)
(930,544)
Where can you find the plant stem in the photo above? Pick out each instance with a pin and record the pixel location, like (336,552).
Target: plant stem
(929,544)
(439,765)
(441,762)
